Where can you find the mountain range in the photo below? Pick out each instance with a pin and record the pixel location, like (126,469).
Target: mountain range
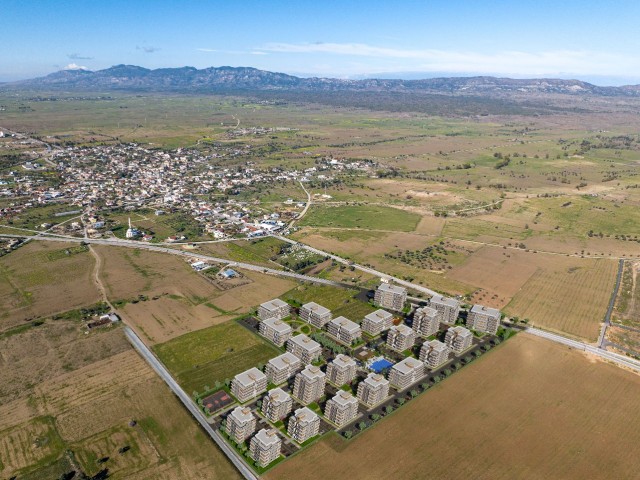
(219,79)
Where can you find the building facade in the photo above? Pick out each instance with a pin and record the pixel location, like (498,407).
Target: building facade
(265,447)
(400,338)
(434,353)
(248,384)
(426,321)
(276,331)
(282,368)
(344,330)
(276,404)
(315,314)
(484,319)
(304,348)
(303,425)
(458,339)
(342,408)
(275,309)
(240,424)
(377,322)
(373,389)
(390,296)
(448,308)
(309,384)
(406,373)
(341,370)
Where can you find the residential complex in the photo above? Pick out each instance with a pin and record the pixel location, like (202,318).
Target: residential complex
(373,389)
(276,331)
(426,321)
(303,425)
(400,338)
(434,353)
(265,447)
(276,404)
(341,370)
(458,339)
(275,309)
(304,348)
(309,384)
(483,319)
(391,296)
(405,373)
(342,408)
(241,424)
(248,384)
(315,314)
(282,367)
(344,330)
(377,322)
(448,308)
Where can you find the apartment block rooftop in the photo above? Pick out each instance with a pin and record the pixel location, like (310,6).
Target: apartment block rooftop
(250,376)
(316,308)
(274,304)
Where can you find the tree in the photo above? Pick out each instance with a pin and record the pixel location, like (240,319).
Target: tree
(401,401)
(413,393)
(348,434)
(388,409)
(375,417)
(362,425)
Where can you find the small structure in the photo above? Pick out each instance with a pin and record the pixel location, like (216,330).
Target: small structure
(248,384)
(344,330)
(406,373)
(303,425)
(282,368)
(304,348)
(342,408)
(276,404)
(276,309)
(265,447)
(341,370)
(309,384)
(434,353)
(484,319)
(373,389)
(390,296)
(448,308)
(377,322)
(458,339)
(241,423)
(131,232)
(275,330)
(315,314)
(426,321)
(400,338)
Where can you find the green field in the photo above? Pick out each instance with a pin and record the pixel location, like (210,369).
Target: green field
(217,353)
(367,217)
(327,296)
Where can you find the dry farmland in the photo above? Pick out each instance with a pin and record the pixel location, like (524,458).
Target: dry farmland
(486,422)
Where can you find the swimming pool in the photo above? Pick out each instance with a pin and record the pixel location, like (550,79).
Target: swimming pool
(379,364)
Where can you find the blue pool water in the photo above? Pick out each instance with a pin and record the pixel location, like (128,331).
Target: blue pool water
(380,365)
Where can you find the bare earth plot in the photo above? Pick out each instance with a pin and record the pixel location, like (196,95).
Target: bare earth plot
(487,422)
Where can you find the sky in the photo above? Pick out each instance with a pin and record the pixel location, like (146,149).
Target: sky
(596,41)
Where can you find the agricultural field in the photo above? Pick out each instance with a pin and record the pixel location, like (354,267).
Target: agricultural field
(555,390)
(366,216)
(627,306)
(213,354)
(41,279)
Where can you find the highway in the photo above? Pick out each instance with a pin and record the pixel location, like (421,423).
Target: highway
(159,368)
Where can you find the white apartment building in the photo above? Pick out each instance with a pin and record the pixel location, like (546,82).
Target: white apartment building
(282,368)
(276,331)
(400,338)
(377,322)
(448,308)
(458,339)
(276,404)
(315,314)
(275,309)
(240,424)
(434,353)
(373,389)
(344,330)
(390,296)
(483,319)
(303,425)
(406,373)
(426,321)
(342,408)
(265,447)
(309,384)
(304,348)
(341,370)
(248,384)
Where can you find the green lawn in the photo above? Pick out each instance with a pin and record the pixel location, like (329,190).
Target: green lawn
(365,216)
(327,296)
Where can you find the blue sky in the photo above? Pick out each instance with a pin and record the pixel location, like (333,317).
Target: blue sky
(592,40)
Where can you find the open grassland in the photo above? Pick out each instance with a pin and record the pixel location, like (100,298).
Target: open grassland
(213,354)
(526,390)
(567,298)
(367,216)
(41,279)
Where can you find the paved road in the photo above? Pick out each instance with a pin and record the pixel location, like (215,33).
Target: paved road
(159,368)
(612,301)
(611,356)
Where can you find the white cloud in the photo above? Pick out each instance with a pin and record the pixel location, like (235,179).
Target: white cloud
(433,60)
(73,66)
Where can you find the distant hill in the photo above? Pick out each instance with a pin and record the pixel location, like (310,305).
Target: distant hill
(218,79)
